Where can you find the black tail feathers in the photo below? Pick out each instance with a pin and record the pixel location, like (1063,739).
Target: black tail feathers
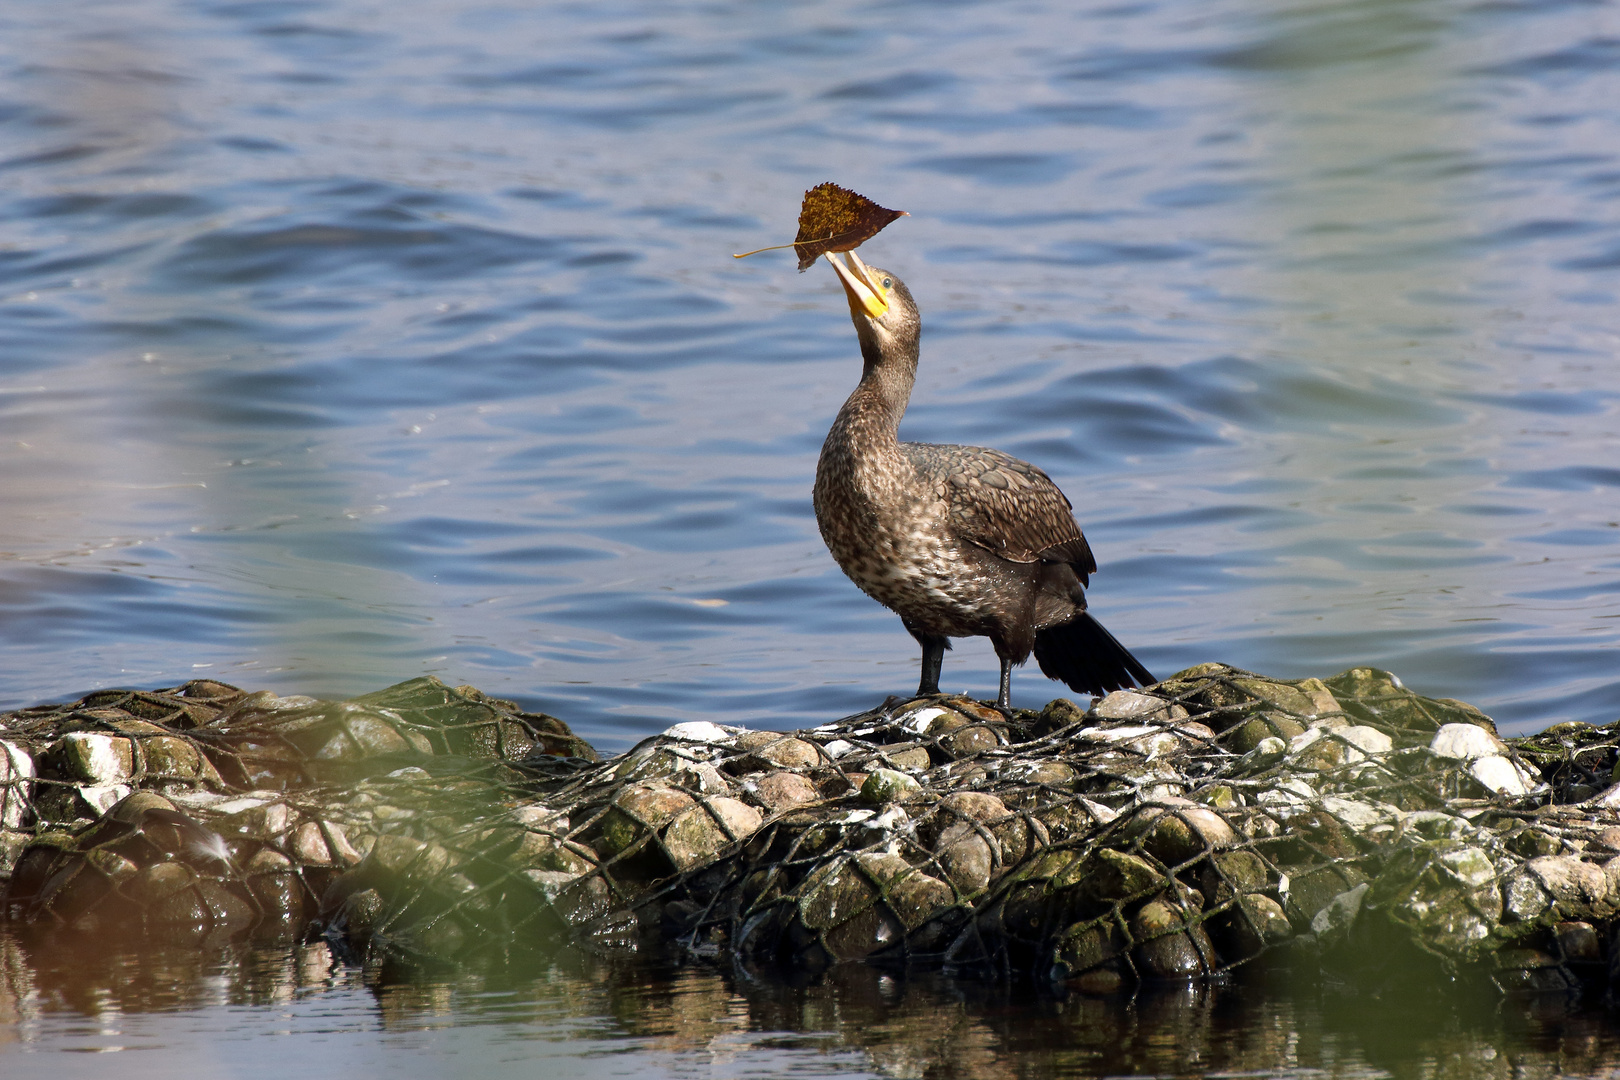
(1086,657)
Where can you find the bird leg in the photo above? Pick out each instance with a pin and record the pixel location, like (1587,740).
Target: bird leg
(1004,700)
(933,658)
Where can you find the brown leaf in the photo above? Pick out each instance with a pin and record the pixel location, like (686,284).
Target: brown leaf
(836,219)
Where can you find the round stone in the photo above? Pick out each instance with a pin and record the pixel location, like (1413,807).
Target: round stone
(780,791)
(887,785)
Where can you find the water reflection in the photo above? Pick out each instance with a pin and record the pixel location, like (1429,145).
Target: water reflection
(257,1009)
(1377,299)
(1390,264)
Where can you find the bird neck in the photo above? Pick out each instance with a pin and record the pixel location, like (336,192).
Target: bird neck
(885,387)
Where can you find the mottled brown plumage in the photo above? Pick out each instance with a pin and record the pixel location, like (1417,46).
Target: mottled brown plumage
(959,541)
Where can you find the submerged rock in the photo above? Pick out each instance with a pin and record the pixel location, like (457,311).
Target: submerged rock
(1170,833)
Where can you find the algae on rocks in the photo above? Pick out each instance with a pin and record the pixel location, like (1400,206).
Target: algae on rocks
(1175,832)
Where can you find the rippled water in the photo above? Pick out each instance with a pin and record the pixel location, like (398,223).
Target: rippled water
(341,343)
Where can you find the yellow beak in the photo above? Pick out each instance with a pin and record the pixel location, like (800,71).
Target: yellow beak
(865,295)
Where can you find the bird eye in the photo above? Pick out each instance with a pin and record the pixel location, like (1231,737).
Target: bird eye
(887,284)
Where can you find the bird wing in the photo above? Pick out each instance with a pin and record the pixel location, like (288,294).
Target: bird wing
(1009,507)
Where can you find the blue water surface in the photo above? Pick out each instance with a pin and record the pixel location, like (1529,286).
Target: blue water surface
(345,342)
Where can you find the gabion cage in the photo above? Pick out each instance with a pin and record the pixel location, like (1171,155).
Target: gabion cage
(1176,832)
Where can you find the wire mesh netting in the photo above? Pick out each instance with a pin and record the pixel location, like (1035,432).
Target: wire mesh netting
(1176,832)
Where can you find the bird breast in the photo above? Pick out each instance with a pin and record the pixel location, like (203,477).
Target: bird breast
(886,528)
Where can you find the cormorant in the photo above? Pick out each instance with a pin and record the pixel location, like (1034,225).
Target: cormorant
(959,541)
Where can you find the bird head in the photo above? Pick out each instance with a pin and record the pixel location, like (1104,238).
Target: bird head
(879,303)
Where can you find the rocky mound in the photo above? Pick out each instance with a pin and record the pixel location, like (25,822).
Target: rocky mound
(1178,832)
